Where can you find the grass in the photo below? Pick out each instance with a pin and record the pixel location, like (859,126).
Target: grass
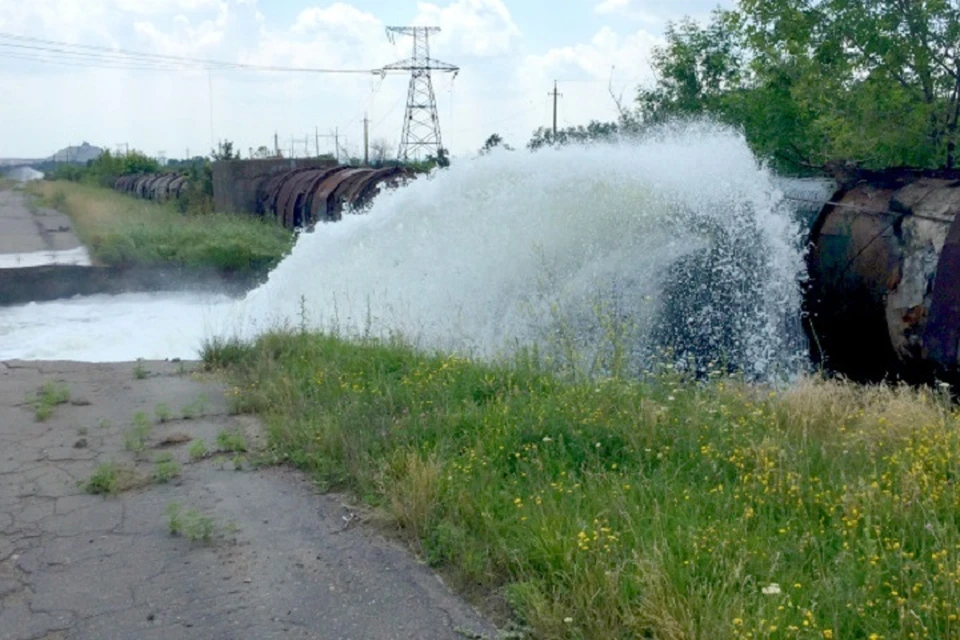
(664,508)
(135,439)
(231,442)
(195,409)
(198,450)
(190,524)
(123,231)
(139,371)
(162,412)
(48,398)
(166,468)
(110,478)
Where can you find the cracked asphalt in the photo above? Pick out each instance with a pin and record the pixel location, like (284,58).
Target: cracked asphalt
(285,561)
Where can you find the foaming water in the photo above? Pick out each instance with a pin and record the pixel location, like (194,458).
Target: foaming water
(113,328)
(679,242)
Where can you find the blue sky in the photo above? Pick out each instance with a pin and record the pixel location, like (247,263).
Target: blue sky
(509,51)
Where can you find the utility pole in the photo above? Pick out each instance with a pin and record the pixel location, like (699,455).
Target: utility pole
(317,132)
(555,95)
(276,143)
(421,123)
(366,139)
(336,143)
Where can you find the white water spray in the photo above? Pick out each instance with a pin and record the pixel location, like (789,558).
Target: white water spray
(683,238)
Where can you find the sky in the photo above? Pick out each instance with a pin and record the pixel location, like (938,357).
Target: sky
(509,53)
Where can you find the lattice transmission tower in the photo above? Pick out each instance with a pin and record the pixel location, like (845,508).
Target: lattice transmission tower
(421,124)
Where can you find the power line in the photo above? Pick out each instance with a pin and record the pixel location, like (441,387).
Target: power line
(66,62)
(57,52)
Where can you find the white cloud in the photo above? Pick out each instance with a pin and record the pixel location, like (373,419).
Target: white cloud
(656,12)
(592,61)
(501,87)
(152,7)
(471,27)
(185,38)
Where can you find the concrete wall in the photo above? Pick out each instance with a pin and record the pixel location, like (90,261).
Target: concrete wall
(52,282)
(235,182)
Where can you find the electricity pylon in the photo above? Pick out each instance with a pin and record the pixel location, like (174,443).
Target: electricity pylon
(421,124)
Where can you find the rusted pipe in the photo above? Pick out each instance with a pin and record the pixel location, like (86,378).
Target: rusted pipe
(883,297)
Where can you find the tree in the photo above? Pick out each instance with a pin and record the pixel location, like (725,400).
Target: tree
(262,153)
(811,82)
(594,132)
(697,69)
(224,151)
(442,159)
(884,77)
(494,141)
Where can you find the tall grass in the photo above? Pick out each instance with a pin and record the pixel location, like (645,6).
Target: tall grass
(123,231)
(666,508)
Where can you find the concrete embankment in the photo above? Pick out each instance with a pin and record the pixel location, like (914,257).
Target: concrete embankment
(42,259)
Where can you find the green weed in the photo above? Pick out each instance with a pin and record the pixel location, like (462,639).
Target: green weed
(48,398)
(231,442)
(162,412)
(218,353)
(139,371)
(103,480)
(110,478)
(190,524)
(195,409)
(166,468)
(198,450)
(135,439)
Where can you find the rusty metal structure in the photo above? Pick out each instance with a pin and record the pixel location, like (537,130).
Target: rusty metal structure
(883,296)
(159,187)
(295,198)
(301,198)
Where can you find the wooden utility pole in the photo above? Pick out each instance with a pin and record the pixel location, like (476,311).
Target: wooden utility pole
(276,143)
(317,133)
(556,94)
(366,139)
(336,143)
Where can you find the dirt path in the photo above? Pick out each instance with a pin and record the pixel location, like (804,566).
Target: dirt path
(284,562)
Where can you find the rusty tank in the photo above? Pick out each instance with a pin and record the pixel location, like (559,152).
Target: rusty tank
(883,295)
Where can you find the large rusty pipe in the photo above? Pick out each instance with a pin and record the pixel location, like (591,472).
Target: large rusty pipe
(884,291)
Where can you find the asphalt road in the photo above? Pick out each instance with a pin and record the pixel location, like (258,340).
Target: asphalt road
(283,561)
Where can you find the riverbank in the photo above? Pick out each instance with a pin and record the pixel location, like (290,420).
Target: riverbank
(124,232)
(618,509)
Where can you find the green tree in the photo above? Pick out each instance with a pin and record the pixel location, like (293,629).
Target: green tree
(886,71)
(224,151)
(697,71)
(816,81)
(594,132)
(495,140)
